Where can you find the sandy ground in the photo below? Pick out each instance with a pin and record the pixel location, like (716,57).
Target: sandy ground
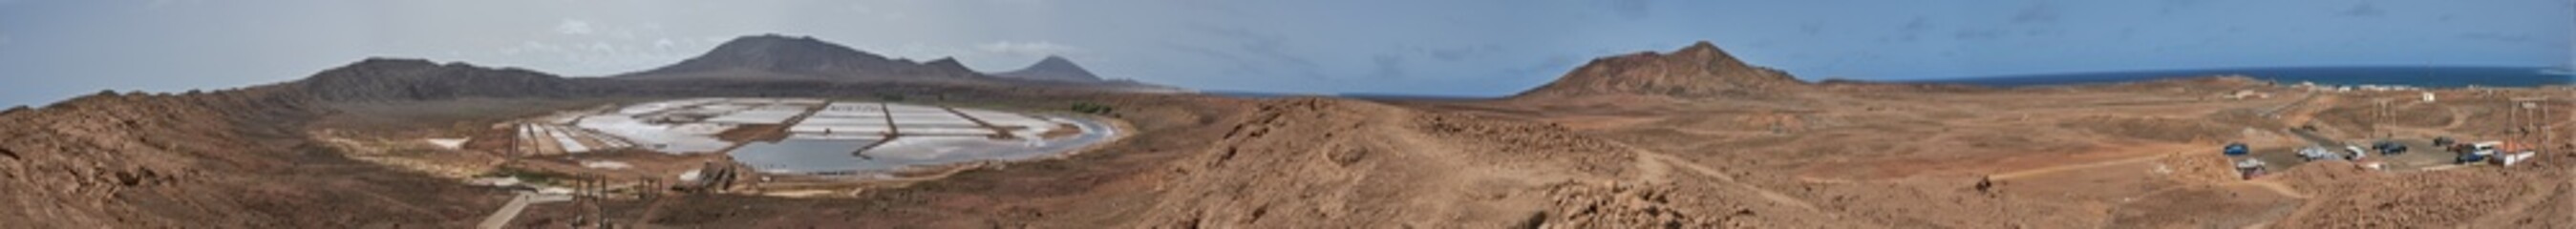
(2140,155)
(2101,156)
(2117,156)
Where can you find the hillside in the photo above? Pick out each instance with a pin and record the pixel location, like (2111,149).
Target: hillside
(234,158)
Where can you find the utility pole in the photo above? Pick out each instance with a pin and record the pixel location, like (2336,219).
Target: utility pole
(2530,115)
(2383,113)
(2522,128)
(2513,124)
(599,208)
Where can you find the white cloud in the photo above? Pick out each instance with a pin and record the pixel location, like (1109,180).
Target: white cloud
(1036,48)
(573,27)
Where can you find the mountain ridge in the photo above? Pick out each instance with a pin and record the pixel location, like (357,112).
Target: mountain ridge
(376,79)
(1053,68)
(800,57)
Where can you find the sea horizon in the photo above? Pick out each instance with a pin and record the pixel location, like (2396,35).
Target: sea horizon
(2424,77)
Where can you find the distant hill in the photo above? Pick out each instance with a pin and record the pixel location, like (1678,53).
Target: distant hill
(379,79)
(781,57)
(1057,70)
(1701,70)
(1053,68)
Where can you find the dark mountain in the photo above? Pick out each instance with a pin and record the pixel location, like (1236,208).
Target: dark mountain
(781,57)
(1053,68)
(1059,71)
(1700,70)
(414,79)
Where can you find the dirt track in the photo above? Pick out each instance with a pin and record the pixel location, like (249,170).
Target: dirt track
(1860,162)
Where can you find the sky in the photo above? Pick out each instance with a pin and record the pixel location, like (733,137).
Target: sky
(56,49)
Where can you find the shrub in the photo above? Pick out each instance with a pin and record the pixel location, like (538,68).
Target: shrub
(1091,108)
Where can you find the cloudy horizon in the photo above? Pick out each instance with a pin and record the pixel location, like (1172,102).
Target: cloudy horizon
(56,49)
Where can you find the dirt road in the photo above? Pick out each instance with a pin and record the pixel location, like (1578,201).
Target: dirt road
(501,218)
(2275,112)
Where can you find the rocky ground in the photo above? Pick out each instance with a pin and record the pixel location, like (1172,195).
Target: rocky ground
(235,159)
(1688,140)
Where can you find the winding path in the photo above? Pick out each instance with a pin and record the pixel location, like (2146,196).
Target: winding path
(2275,112)
(1658,166)
(1668,160)
(2063,168)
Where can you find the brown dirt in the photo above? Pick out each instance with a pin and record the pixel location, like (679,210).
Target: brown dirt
(1698,153)
(754,133)
(2206,206)
(1317,162)
(498,140)
(2155,128)
(229,159)
(1060,131)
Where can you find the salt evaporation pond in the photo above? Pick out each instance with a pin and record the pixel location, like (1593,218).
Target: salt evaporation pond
(843,137)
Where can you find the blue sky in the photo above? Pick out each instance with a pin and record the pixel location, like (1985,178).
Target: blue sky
(56,49)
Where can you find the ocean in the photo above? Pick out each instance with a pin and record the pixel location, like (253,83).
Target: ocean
(2429,77)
